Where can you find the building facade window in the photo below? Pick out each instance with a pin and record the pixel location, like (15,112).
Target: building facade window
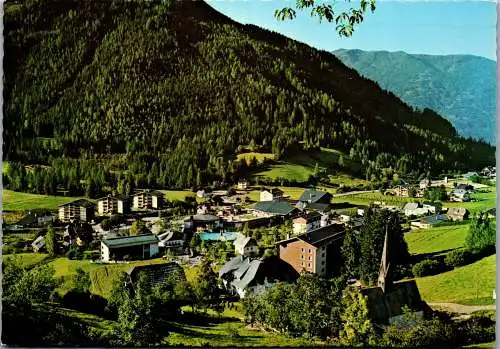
(309,265)
(309,250)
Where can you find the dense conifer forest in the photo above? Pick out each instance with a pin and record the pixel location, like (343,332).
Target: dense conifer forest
(164,93)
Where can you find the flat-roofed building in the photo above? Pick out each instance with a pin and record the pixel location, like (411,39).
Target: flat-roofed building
(132,247)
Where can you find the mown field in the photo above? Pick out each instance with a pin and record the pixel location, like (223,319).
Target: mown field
(472,284)
(177,195)
(437,239)
(17,201)
(27,259)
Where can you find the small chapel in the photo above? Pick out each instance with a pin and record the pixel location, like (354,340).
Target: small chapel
(387,300)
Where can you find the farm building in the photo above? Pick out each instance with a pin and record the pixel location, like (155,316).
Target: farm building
(415,209)
(460,195)
(271,194)
(158,273)
(135,247)
(243,275)
(313,251)
(311,196)
(457,213)
(429,221)
(307,222)
(148,200)
(35,219)
(82,210)
(246,246)
(109,205)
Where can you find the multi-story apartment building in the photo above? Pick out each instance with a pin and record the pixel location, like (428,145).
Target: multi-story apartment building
(148,200)
(314,251)
(82,210)
(109,205)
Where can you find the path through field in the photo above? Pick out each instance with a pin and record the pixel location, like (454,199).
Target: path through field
(460,308)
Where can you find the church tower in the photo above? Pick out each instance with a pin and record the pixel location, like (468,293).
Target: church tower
(384,281)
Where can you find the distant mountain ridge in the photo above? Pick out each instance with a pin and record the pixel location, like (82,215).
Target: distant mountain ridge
(459,87)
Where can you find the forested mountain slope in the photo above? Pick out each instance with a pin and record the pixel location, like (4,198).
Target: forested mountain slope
(178,87)
(459,87)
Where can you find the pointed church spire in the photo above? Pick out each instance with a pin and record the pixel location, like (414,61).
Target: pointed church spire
(384,281)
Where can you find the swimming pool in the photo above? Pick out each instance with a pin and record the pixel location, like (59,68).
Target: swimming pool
(228,236)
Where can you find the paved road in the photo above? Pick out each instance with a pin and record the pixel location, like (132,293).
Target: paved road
(460,308)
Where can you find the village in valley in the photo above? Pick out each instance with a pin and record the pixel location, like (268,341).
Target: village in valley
(256,237)
(196,173)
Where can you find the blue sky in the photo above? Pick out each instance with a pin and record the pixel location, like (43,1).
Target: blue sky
(427,27)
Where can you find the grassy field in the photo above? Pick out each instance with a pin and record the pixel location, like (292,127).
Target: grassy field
(260,157)
(177,195)
(436,239)
(301,165)
(289,171)
(485,199)
(217,334)
(27,259)
(472,284)
(16,201)
(368,198)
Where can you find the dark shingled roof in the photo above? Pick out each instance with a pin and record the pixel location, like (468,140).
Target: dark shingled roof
(250,272)
(320,236)
(126,241)
(202,218)
(433,219)
(311,215)
(275,206)
(79,202)
(312,195)
(158,273)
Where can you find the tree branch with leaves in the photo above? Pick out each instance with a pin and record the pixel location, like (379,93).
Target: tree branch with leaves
(345,21)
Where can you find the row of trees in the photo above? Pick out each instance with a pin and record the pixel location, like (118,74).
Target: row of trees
(362,249)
